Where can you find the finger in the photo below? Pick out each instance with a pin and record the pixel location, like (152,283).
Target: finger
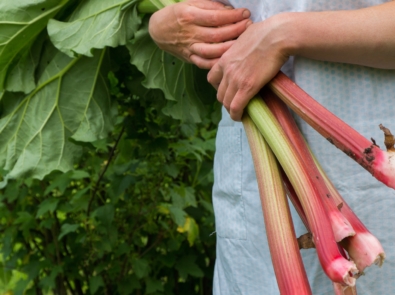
(221,34)
(208,4)
(222,89)
(215,75)
(229,96)
(217,18)
(203,63)
(238,104)
(209,50)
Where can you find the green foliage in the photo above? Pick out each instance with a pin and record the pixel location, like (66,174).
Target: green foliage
(71,100)
(20,22)
(95,24)
(106,147)
(173,76)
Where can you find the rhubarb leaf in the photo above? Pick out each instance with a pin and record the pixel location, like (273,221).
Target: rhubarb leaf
(175,78)
(21,76)
(95,24)
(20,23)
(71,100)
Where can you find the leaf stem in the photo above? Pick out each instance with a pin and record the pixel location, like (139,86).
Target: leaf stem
(284,249)
(336,267)
(110,157)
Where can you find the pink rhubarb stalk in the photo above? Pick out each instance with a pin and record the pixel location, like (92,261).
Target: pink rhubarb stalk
(337,268)
(339,288)
(294,199)
(381,164)
(363,248)
(287,262)
(340,225)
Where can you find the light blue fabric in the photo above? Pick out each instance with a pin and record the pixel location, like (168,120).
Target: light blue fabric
(363,97)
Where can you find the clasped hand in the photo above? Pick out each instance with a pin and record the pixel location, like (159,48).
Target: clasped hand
(242,56)
(252,61)
(198,31)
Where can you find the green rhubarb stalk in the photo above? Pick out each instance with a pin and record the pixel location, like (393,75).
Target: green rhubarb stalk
(151,6)
(337,268)
(364,249)
(146,6)
(340,225)
(284,250)
(162,3)
(294,199)
(381,164)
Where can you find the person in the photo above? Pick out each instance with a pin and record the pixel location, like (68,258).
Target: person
(340,52)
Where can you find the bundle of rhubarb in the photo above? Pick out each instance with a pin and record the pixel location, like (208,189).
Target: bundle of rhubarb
(284,165)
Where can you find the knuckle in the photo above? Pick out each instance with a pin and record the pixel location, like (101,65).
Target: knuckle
(246,83)
(234,109)
(186,17)
(230,71)
(215,36)
(211,79)
(212,20)
(202,51)
(198,49)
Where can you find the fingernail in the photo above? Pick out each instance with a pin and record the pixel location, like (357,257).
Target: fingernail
(248,23)
(246,14)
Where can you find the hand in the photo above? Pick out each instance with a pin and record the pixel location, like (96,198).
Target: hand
(198,31)
(252,61)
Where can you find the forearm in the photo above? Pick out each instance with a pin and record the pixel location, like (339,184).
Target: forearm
(365,36)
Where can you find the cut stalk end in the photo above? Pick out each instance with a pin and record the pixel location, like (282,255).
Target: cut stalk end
(348,270)
(389,139)
(365,250)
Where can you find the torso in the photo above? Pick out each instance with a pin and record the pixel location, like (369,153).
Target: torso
(364,98)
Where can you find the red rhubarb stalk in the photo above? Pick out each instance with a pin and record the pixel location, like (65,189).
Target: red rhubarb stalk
(294,199)
(340,225)
(284,250)
(381,164)
(363,248)
(336,267)
(339,288)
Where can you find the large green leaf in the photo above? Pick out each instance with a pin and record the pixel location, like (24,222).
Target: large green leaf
(174,77)
(21,75)
(95,24)
(20,22)
(71,100)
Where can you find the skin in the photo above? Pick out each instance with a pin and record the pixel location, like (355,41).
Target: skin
(198,31)
(364,37)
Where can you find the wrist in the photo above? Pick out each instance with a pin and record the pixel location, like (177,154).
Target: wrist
(286,32)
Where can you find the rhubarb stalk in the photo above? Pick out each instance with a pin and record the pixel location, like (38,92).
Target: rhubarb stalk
(363,248)
(340,225)
(381,164)
(337,268)
(284,250)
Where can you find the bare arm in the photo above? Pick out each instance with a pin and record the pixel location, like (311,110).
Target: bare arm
(198,31)
(365,37)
